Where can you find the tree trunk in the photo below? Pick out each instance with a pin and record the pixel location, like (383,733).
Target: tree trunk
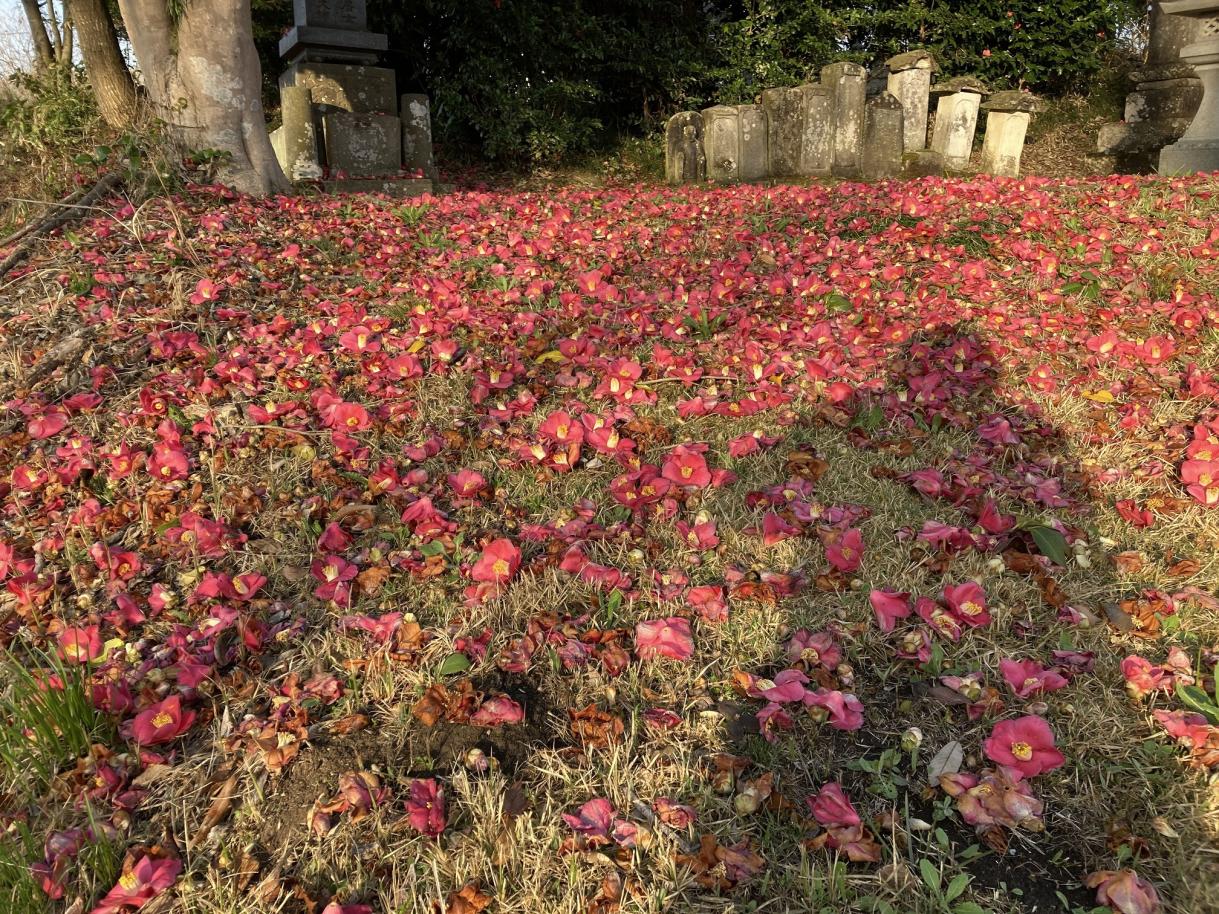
(202,76)
(104,64)
(38,32)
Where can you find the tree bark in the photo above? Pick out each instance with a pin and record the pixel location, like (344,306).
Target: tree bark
(38,32)
(104,64)
(203,77)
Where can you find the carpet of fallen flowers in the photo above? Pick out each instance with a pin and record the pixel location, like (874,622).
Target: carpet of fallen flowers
(821,549)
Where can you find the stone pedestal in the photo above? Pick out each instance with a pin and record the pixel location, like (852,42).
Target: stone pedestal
(332,30)
(722,143)
(956,120)
(685,159)
(849,82)
(884,138)
(817,135)
(910,83)
(1165,98)
(360,145)
(785,129)
(416,116)
(755,150)
(1007,120)
(364,90)
(1198,148)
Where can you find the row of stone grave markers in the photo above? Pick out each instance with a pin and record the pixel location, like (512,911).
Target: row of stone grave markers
(833,128)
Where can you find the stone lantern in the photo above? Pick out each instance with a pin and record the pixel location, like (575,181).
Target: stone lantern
(1198,148)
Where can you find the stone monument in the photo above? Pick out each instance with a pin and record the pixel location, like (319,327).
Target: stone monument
(1007,121)
(341,111)
(956,120)
(685,160)
(722,143)
(910,83)
(785,129)
(1165,96)
(884,137)
(849,81)
(1198,148)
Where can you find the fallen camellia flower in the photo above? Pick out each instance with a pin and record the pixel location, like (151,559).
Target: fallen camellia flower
(141,881)
(425,807)
(499,561)
(1124,891)
(664,638)
(161,723)
(1025,745)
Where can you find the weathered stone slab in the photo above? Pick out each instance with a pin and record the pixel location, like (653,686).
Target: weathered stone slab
(363,144)
(355,88)
(849,82)
(1003,144)
(817,137)
(910,83)
(722,143)
(884,141)
(755,157)
(1013,100)
(685,159)
(785,129)
(394,187)
(307,42)
(956,120)
(300,159)
(415,110)
(922,163)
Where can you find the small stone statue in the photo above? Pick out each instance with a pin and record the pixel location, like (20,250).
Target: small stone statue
(685,160)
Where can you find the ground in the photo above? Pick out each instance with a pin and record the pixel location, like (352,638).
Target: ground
(743,549)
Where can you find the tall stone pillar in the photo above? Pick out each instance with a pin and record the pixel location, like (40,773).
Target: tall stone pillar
(785,129)
(722,143)
(1198,148)
(755,148)
(910,83)
(299,134)
(817,139)
(417,134)
(850,84)
(884,138)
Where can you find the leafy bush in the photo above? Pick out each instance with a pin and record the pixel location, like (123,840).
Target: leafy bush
(53,111)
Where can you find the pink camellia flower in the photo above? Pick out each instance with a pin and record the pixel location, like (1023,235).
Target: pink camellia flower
(334,572)
(845,709)
(1028,677)
(674,814)
(425,807)
(832,807)
(814,649)
(967,602)
(787,686)
(709,602)
(497,711)
(1025,744)
(335,908)
(80,645)
(162,722)
(466,483)
(664,638)
(685,466)
(139,883)
(845,552)
(998,797)
(1124,891)
(47,425)
(347,417)
(499,561)
(776,528)
(772,719)
(889,606)
(592,821)
(1201,478)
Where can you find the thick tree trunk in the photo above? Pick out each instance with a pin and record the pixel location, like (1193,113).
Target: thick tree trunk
(104,64)
(38,32)
(204,80)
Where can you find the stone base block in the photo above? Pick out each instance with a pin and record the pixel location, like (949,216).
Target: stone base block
(394,187)
(1178,98)
(364,90)
(362,144)
(305,41)
(1189,157)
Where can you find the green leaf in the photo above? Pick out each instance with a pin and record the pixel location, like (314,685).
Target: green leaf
(1196,699)
(1053,545)
(456,662)
(837,303)
(931,876)
(969,907)
(960,882)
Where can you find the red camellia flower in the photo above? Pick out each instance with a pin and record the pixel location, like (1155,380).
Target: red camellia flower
(1124,891)
(664,638)
(889,606)
(139,883)
(967,602)
(80,645)
(832,808)
(499,561)
(1025,744)
(845,552)
(685,466)
(425,807)
(161,722)
(1028,677)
